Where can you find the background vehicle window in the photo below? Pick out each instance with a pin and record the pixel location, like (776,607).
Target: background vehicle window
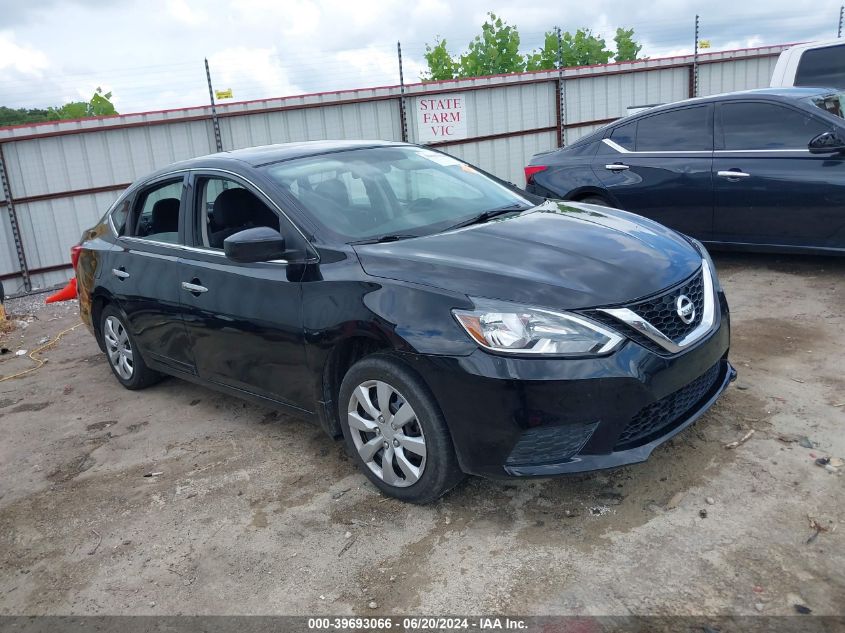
(225,208)
(158,213)
(832,103)
(822,67)
(119,216)
(767,126)
(624,135)
(688,129)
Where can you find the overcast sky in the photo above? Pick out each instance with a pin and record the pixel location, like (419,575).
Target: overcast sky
(150,53)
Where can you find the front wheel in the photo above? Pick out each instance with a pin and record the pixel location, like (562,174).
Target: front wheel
(124,358)
(395,431)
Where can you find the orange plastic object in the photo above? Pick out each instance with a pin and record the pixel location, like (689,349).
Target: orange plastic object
(66,293)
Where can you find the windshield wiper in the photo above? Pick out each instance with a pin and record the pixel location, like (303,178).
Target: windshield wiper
(380,239)
(489,214)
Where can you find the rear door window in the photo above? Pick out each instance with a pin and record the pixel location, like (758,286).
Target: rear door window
(687,129)
(758,126)
(157,216)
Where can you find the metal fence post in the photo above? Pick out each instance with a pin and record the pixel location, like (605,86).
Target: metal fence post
(218,141)
(841,16)
(695,62)
(561,91)
(13,222)
(403,114)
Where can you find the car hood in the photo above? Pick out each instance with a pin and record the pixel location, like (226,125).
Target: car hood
(563,255)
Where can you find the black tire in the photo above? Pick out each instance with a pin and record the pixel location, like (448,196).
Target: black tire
(141,376)
(440,469)
(602,202)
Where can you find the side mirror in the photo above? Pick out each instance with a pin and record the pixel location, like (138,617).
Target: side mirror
(259,244)
(827,143)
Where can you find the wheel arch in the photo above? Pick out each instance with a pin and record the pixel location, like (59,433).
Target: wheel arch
(588,191)
(342,355)
(100,299)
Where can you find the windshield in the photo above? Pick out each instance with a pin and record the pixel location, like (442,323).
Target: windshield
(833,103)
(391,191)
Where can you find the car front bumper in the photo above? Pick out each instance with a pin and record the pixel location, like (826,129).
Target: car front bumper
(530,417)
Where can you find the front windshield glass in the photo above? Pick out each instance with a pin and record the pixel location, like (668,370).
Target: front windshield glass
(382,191)
(833,103)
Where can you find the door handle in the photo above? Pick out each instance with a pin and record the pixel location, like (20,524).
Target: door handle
(617,167)
(194,289)
(732,173)
(120,273)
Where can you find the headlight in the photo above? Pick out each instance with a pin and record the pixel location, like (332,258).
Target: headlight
(504,327)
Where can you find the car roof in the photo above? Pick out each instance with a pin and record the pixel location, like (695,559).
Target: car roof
(777,94)
(266,154)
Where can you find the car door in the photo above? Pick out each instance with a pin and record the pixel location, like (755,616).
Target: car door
(769,189)
(143,272)
(244,321)
(660,166)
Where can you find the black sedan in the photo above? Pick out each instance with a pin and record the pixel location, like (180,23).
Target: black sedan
(756,170)
(441,320)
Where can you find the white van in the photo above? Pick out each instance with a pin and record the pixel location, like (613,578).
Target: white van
(812,64)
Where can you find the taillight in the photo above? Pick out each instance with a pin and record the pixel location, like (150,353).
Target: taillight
(530,170)
(74,255)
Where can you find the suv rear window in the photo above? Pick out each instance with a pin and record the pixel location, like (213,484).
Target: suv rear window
(823,67)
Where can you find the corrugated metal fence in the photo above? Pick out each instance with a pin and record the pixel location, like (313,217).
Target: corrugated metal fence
(62,176)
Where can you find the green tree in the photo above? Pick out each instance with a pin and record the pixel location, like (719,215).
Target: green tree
(440,63)
(494,52)
(99,105)
(544,58)
(22,116)
(583,49)
(627,49)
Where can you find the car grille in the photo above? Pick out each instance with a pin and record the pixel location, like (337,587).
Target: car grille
(660,311)
(550,444)
(668,411)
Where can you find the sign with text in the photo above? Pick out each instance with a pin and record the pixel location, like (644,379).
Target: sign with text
(441,118)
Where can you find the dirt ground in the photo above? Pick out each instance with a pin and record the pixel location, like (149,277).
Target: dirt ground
(251,512)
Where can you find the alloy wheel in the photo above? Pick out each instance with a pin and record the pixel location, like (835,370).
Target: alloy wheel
(118,347)
(386,433)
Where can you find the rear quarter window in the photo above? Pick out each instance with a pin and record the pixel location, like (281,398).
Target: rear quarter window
(625,135)
(119,216)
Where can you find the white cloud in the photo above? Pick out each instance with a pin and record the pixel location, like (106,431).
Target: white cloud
(251,73)
(21,58)
(185,13)
(151,53)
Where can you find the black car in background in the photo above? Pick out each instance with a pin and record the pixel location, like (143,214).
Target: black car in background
(442,321)
(760,170)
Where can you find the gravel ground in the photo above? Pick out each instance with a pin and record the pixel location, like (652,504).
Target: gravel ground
(252,512)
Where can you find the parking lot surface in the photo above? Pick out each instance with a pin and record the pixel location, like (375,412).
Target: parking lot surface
(179,500)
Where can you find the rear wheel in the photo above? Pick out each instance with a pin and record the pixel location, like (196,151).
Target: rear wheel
(396,432)
(124,359)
